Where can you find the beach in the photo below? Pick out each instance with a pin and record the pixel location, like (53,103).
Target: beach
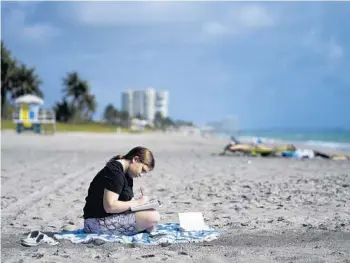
(268,209)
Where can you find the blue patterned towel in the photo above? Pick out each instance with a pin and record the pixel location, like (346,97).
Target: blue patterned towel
(165,233)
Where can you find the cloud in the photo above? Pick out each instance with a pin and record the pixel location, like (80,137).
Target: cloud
(253,16)
(197,21)
(18,25)
(335,51)
(326,47)
(116,13)
(215,28)
(239,19)
(40,32)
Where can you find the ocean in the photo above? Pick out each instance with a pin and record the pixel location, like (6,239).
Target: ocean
(338,139)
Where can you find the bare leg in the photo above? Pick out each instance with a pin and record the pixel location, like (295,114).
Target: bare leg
(151,229)
(147,220)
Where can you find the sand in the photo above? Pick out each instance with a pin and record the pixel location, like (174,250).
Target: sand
(269,209)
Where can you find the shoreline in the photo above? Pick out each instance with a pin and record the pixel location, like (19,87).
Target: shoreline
(320,145)
(207,138)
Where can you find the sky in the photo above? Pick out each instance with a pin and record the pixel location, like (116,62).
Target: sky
(269,64)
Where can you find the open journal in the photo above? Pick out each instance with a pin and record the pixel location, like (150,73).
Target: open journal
(153,204)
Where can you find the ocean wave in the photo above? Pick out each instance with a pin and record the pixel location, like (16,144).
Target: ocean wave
(342,146)
(329,144)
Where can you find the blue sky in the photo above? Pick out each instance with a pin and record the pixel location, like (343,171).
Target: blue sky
(271,64)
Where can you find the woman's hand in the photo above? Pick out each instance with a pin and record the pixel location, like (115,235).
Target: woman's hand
(143,199)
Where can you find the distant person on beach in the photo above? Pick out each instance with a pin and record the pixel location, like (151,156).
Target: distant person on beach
(257,148)
(110,196)
(234,141)
(309,154)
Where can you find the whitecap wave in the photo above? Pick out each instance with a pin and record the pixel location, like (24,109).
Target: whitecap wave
(329,144)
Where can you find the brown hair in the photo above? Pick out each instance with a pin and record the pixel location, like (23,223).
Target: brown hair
(145,155)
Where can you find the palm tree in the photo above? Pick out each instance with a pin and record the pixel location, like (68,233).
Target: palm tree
(28,82)
(64,111)
(16,80)
(90,105)
(8,70)
(72,87)
(110,114)
(78,90)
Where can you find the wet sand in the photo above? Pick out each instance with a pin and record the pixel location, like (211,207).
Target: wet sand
(269,209)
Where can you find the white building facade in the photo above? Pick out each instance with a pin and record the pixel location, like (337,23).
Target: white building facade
(149,104)
(145,103)
(138,107)
(127,102)
(162,102)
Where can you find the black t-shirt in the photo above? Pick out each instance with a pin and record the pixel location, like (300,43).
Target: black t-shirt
(113,178)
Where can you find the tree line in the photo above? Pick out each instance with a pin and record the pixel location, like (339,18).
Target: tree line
(112,115)
(78,103)
(17,79)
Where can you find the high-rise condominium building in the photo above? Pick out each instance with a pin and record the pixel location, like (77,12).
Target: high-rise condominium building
(149,103)
(127,102)
(162,102)
(145,103)
(138,107)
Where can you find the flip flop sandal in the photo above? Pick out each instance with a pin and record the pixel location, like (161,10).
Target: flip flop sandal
(49,240)
(35,238)
(31,235)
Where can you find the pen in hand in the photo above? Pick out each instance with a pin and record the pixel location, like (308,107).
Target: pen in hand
(143,197)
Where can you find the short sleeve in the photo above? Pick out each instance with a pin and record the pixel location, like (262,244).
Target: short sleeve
(114,181)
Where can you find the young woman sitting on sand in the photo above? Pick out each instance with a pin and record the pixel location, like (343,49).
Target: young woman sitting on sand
(110,196)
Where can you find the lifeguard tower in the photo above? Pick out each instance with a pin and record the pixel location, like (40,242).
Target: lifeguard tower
(29,115)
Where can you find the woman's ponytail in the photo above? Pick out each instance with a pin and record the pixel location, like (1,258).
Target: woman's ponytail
(117,157)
